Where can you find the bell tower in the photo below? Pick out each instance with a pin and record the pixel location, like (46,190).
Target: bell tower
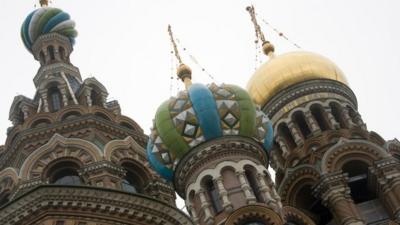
(328,164)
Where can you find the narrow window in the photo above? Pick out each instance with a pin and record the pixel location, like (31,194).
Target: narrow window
(318,113)
(55,99)
(252,179)
(50,50)
(213,195)
(300,120)
(285,133)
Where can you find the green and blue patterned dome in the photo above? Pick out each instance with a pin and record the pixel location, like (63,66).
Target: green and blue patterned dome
(200,114)
(47,20)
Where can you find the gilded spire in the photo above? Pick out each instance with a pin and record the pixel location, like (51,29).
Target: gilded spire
(268,48)
(44,3)
(184,72)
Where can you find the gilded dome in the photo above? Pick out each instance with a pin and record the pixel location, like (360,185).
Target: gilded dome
(288,69)
(201,114)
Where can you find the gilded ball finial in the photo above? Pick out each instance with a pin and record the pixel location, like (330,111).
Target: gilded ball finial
(44,3)
(268,48)
(184,72)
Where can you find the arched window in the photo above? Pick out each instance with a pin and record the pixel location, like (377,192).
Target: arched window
(55,99)
(336,112)
(129,183)
(50,50)
(135,178)
(102,115)
(96,98)
(65,173)
(361,189)
(61,52)
(306,201)
(251,176)
(40,123)
(284,132)
(300,120)
(212,194)
(352,114)
(318,113)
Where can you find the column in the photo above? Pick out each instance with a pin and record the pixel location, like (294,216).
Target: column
(43,95)
(226,203)
(88,92)
(25,111)
(388,177)
(332,121)
(332,189)
(266,190)
(295,133)
(282,146)
(205,206)
(346,116)
(64,96)
(312,123)
(192,212)
(251,199)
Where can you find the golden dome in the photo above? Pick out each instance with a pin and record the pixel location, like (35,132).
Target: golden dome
(287,69)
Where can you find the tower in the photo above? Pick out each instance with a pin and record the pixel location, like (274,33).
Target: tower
(212,143)
(71,157)
(328,165)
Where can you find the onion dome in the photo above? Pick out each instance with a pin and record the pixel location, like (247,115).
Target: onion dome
(288,69)
(200,114)
(47,20)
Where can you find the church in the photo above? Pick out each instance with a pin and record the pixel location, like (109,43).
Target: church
(72,158)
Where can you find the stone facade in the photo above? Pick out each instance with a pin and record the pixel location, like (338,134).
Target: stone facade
(72,158)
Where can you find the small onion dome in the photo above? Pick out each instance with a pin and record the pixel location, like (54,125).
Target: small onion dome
(47,20)
(200,114)
(288,69)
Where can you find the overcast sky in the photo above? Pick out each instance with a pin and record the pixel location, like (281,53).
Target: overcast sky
(126,47)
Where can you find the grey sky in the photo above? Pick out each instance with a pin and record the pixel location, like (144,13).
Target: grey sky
(124,44)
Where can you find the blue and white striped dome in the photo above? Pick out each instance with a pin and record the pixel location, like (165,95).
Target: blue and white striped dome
(47,20)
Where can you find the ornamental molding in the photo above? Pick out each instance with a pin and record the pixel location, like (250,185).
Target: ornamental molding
(291,214)
(347,150)
(133,208)
(308,88)
(294,177)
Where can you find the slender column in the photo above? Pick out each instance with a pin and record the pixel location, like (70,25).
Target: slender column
(335,195)
(360,122)
(266,190)
(226,203)
(346,116)
(389,182)
(282,146)
(104,99)
(312,123)
(64,96)
(192,211)
(25,111)
(88,92)
(205,206)
(43,95)
(246,188)
(332,121)
(295,133)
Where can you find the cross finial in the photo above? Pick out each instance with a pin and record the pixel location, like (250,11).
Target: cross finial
(268,48)
(184,72)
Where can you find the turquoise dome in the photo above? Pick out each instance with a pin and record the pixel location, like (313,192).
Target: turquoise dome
(47,20)
(198,115)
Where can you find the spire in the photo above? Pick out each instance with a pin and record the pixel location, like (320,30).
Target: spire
(44,3)
(183,72)
(268,48)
